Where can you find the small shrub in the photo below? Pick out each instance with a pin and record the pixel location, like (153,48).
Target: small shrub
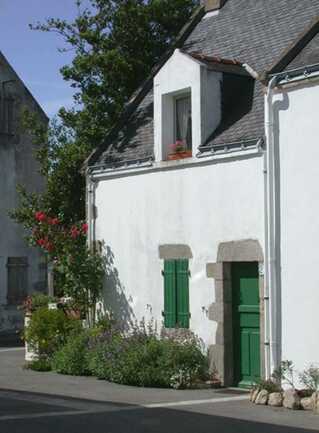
(42,364)
(36,301)
(48,331)
(104,352)
(144,359)
(73,357)
(310,378)
(269,385)
(285,373)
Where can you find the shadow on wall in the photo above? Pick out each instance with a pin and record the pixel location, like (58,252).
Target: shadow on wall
(113,298)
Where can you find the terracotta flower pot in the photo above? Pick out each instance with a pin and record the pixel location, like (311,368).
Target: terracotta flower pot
(179,155)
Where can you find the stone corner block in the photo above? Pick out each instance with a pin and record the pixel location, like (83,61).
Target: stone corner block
(214,270)
(216,312)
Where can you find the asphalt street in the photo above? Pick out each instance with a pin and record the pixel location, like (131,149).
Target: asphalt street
(22,412)
(32,402)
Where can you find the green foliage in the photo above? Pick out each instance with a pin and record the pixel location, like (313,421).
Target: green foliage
(269,385)
(81,277)
(48,331)
(115,45)
(35,301)
(79,271)
(73,357)
(146,360)
(310,378)
(41,364)
(106,69)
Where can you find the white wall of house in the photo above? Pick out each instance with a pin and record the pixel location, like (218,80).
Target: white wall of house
(297,132)
(199,205)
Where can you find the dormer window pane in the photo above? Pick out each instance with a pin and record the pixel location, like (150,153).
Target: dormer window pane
(184,121)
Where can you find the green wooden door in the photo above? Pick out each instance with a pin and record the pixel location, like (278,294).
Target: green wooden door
(246,323)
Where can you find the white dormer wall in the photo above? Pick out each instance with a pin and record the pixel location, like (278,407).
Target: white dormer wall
(183,75)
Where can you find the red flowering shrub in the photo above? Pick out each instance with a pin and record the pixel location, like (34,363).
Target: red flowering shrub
(54,238)
(40,216)
(78,272)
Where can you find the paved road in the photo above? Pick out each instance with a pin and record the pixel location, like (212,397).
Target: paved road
(22,412)
(32,402)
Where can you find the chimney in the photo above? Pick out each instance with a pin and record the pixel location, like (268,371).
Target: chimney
(213,5)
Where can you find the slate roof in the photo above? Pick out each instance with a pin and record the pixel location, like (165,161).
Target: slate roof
(256,32)
(308,56)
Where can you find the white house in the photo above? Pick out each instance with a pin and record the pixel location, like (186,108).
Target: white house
(204,193)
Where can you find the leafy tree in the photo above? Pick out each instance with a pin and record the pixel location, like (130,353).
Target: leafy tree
(115,43)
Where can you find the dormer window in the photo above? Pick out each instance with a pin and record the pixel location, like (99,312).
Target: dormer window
(183,107)
(182,146)
(187,106)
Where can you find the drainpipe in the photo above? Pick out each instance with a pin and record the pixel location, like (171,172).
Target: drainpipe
(90,200)
(271,345)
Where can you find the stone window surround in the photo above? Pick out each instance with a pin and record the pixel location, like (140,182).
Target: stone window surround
(221,353)
(174,251)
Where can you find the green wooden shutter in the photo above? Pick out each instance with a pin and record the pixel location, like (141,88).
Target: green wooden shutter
(182,278)
(169,294)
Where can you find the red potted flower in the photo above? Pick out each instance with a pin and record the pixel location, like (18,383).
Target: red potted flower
(178,150)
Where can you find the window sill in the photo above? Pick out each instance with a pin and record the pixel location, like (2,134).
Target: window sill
(179,155)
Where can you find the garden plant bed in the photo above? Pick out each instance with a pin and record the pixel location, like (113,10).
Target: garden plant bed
(138,357)
(270,392)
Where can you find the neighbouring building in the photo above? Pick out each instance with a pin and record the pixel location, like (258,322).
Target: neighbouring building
(22,269)
(205,193)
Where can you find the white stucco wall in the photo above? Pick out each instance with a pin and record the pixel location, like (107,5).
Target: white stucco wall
(200,206)
(296,116)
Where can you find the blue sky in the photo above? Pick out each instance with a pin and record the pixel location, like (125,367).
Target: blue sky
(34,55)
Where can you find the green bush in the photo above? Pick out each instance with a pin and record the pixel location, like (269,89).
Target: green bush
(41,364)
(35,301)
(48,331)
(269,385)
(310,378)
(147,360)
(73,357)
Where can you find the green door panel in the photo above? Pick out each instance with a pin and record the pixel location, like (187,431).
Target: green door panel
(244,353)
(249,320)
(246,323)
(255,353)
(169,294)
(182,277)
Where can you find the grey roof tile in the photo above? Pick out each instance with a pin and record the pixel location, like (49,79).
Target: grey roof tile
(251,31)
(308,56)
